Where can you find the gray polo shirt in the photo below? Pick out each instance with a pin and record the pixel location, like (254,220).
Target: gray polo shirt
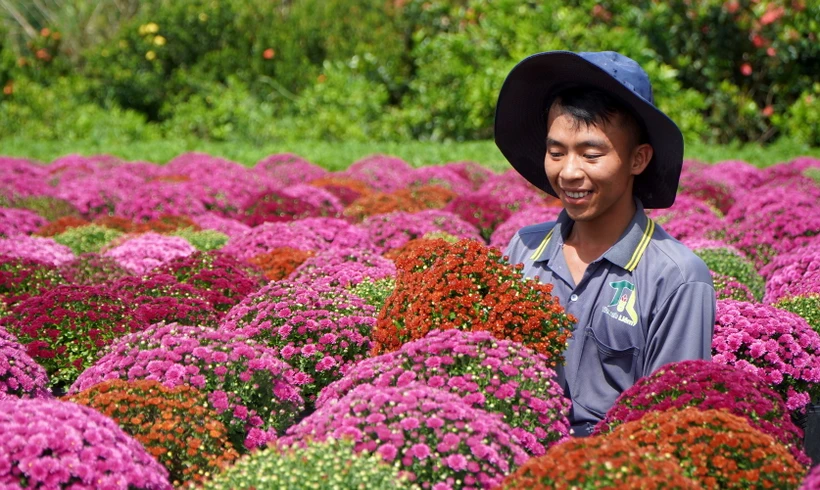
(646,302)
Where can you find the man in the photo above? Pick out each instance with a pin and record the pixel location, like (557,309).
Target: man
(584,128)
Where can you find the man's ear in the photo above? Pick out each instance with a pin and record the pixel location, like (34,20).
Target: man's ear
(641,156)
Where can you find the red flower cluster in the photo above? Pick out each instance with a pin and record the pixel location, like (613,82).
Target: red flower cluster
(280,262)
(21,278)
(346,189)
(273,206)
(60,225)
(468,286)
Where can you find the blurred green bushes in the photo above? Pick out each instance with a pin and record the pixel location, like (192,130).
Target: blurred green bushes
(366,70)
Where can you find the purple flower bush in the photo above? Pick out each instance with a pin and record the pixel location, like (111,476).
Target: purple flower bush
(499,376)
(92,268)
(319,330)
(695,183)
(149,250)
(332,233)
(20,375)
(727,287)
(14,221)
(772,221)
(812,480)
(274,206)
(483,210)
(796,287)
(55,444)
(161,298)
(708,385)
(251,390)
(475,173)
(324,201)
(526,216)
(737,175)
(156,198)
(343,268)
(774,344)
(689,218)
(445,176)
(441,441)
(220,278)
(392,230)
(288,169)
(37,248)
(229,226)
(381,172)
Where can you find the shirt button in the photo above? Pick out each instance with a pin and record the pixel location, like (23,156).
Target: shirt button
(574,297)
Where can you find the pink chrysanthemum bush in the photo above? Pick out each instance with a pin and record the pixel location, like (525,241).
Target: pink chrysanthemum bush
(474,173)
(527,216)
(92,268)
(727,287)
(251,390)
(149,250)
(319,330)
(774,344)
(483,210)
(156,197)
(812,480)
(49,444)
(392,230)
(795,287)
(20,375)
(446,176)
(708,385)
(514,191)
(343,268)
(221,278)
(725,260)
(695,183)
(381,172)
(288,169)
(229,226)
(20,177)
(160,298)
(14,221)
(499,376)
(277,205)
(772,221)
(37,248)
(441,441)
(689,218)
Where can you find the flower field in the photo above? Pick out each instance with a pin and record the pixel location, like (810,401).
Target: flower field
(206,324)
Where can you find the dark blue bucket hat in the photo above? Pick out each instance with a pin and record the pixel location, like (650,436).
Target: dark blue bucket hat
(521,126)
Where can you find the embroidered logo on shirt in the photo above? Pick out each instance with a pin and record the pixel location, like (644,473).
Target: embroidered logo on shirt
(622,306)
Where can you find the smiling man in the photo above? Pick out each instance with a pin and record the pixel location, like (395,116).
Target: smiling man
(584,128)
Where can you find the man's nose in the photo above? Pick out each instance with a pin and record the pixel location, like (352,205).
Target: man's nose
(572,168)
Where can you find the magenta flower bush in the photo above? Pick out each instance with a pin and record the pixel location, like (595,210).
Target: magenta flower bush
(14,221)
(475,173)
(515,192)
(319,330)
(20,375)
(772,221)
(288,169)
(812,480)
(329,233)
(392,230)
(499,376)
(343,268)
(449,177)
(381,172)
(482,210)
(325,202)
(708,385)
(156,198)
(50,444)
(21,278)
(161,298)
(37,248)
(441,441)
(727,287)
(737,175)
(796,287)
(92,268)
(526,216)
(689,218)
(774,344)
(22,178)
(252,391)
(144,252)
(220,278)
(275,206)
(695,183)
(729,263)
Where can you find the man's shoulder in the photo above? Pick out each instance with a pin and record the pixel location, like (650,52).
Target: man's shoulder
(527,239)
(671,256)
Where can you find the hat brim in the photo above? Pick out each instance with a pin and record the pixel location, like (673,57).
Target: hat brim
(521,127)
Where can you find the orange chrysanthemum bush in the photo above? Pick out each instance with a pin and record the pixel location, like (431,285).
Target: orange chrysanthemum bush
(408,200)
(173,424)
(346,189)
(718,449)
(596,463)
(60,225)
(280,262)
(468,286)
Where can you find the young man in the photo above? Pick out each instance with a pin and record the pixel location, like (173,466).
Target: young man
(584,128)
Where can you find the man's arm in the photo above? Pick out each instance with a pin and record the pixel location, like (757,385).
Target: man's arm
(682,327)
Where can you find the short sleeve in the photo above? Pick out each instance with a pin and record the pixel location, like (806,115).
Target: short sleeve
(682,327)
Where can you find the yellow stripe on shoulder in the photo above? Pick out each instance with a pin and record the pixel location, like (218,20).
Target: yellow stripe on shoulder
(540,249)
(641,248)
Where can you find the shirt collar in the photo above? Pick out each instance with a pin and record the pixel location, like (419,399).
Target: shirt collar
(625,253)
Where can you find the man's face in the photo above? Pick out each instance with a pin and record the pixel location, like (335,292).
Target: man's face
(592,168)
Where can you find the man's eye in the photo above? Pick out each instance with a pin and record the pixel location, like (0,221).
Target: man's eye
(554,154)
(592,156)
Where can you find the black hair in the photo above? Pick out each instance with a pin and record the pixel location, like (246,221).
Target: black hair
(593,107)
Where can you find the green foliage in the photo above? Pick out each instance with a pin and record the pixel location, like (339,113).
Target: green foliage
(807,306)
(203,240)
(729,263)
(330,465)
(50,208)
(374,292)
(86,239)
(802,120)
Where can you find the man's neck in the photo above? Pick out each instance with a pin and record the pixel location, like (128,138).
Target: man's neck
(592,238)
